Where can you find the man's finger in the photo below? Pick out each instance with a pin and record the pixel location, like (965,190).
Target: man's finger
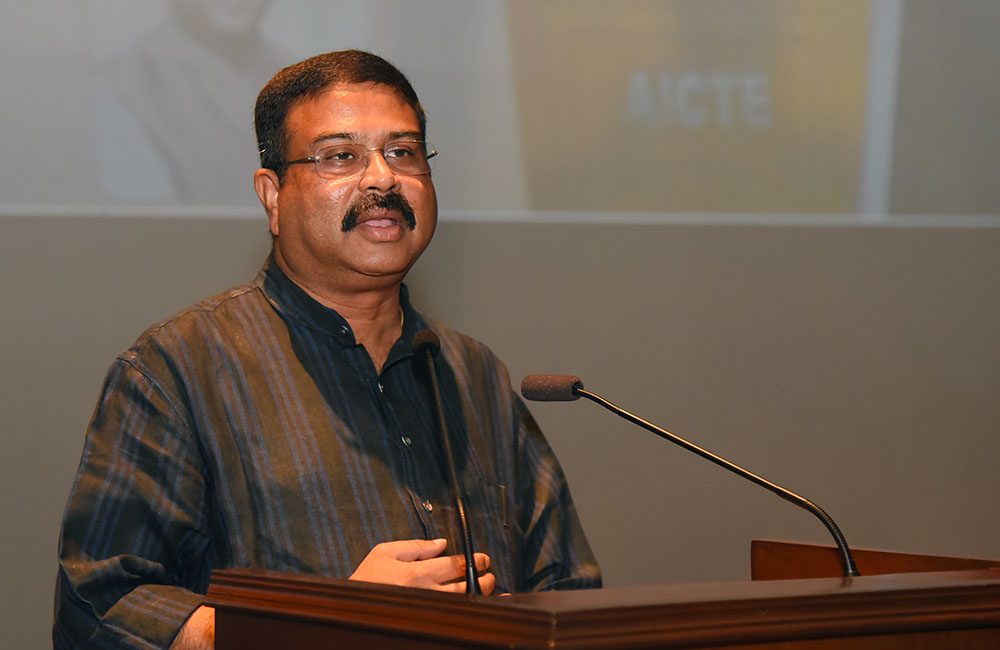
(457,570)
(482,561)
(449,568)
(411,550)
(487,582)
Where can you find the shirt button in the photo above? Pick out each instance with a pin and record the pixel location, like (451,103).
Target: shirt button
(428,506)
(381,388)
(344,331)
(406,441)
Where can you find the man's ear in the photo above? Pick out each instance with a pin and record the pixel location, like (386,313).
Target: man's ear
(267,185)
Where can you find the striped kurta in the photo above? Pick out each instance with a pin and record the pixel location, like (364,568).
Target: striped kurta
(251,430)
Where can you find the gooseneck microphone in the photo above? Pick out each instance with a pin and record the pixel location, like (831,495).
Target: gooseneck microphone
(565,388)
(426,343)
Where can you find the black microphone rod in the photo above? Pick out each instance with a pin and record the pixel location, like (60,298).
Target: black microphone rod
(553,388)
(428,341)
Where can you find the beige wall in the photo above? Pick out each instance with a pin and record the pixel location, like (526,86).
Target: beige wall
(859,366)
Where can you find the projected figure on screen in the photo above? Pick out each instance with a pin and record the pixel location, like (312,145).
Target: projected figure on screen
(171,116)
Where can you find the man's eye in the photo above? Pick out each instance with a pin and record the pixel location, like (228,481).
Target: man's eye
(338,155)
(398,152)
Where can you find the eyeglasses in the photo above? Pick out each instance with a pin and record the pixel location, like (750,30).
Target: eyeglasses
(404,157)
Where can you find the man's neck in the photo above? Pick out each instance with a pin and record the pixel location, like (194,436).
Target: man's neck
(377,326)
(372,308)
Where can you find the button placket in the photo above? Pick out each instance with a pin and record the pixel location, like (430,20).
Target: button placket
(405,439)
(423,507)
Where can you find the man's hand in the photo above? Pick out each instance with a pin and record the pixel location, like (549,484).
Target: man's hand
(415,563)
(409,563)
(199,631)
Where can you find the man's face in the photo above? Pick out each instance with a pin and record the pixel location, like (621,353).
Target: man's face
(307,213)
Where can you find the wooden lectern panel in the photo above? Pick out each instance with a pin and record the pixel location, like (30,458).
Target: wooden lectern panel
(263,611)
(778,560)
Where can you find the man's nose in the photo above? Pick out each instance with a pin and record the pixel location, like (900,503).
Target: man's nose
(378,175)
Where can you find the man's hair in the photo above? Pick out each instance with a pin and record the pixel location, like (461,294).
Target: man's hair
(310,78)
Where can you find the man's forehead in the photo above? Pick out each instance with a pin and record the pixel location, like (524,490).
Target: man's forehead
(342,101)
(340,93)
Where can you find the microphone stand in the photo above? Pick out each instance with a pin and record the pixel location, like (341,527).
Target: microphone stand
(428,341)
(850,569)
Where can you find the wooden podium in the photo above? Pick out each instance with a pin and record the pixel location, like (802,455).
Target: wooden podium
(901,601)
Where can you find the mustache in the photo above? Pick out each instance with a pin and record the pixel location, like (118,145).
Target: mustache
(378,201)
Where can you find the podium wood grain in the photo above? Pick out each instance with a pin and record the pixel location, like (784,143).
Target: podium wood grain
(258,610)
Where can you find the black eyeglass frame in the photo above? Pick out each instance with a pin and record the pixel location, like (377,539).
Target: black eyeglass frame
(428,148)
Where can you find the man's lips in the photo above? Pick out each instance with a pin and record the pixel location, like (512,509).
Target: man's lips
(381,225)
(375,207)
(381,218)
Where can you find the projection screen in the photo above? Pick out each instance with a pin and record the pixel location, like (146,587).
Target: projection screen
(829,111)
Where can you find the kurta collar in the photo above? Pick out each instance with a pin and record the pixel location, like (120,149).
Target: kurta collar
(293,302)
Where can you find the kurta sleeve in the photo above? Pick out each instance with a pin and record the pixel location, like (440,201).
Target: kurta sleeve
(556,554)
(132,551)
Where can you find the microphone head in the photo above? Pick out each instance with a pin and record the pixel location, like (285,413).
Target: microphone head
(551,388)
(427,339)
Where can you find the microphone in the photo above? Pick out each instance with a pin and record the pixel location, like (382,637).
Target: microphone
(565,388)
(551,388)
(426,343)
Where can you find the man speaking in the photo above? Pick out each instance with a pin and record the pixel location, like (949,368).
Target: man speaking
(288,424)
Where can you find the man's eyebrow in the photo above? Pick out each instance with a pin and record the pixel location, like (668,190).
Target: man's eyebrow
(356,137)
(323,137)
(405,135)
